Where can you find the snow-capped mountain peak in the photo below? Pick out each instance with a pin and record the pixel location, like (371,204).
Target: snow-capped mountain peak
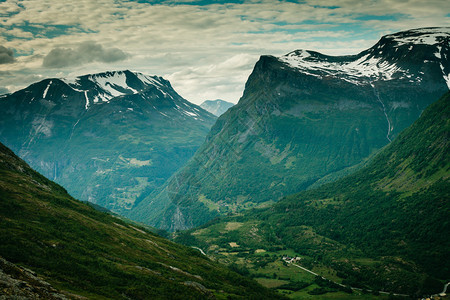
(316,64)
(216,107)
(424,36)
(115,85)
(103,87)
(391,58)
(126,91)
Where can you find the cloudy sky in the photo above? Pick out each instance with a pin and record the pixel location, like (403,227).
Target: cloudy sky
(206,49)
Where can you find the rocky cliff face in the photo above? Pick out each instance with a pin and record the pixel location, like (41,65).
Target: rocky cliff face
(21,283)
(304,116)
(109,138)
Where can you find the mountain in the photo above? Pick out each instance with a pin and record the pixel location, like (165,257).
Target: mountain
(304,117)
(216,107)
(381,228)
(54,247)
(109,138)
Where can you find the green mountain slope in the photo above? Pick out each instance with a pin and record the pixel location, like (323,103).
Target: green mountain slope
(109,138)
(303,116)
(86,253)
(383,227)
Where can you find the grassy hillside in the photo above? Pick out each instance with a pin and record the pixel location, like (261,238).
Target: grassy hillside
(382,228)
(84,252)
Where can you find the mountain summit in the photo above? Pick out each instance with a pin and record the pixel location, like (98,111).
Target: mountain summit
(389,59)
(216,107)
(304,118)
(109,138)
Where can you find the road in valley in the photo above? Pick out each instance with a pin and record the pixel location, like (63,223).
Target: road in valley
(353,288)
(201,251)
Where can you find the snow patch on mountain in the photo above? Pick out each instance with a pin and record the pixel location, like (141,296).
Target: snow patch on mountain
(109,85)
(442,56)
(421,36)
(163,92)
(104,87)
(190,113)
(46,89)
(373,64)
(102,98)
(367,66)
(164,114)
(155,81)
(446,77)
(149,80)
(71,81)
(113,84)
(87,100)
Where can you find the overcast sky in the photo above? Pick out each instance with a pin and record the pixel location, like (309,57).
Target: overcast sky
(207,49)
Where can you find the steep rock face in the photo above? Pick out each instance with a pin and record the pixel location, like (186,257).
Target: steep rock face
(21,283)
(396,205)
(216,107)
(304,116)
(109,138)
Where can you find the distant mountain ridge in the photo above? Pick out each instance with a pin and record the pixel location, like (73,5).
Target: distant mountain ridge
(109,138)
(216,107)
(304,116)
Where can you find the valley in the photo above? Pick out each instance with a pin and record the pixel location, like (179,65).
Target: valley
(362,231)
(329,179)
(55,247)
(304,119)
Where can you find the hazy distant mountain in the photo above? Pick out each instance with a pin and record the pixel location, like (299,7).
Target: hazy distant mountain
(304,116)
(216,107)
(380,228)
(109,138)
(87,254)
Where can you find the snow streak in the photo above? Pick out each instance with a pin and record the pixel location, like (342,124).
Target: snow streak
(46,89)
(87,100)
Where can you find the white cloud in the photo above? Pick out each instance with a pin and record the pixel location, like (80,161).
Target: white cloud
(223,79)
(85,52)
(9,7)
(6,55)
(207,51)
